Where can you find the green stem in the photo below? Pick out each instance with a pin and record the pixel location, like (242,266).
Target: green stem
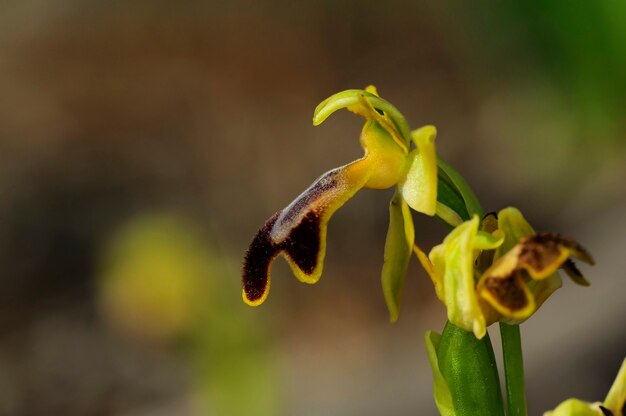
(468,366)
(513,369)
(458,193)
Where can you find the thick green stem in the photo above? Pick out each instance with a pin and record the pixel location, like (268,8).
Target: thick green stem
(458,195)
(513,369)
(469,367)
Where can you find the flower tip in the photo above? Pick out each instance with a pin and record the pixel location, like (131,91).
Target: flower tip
(425,134)
(372,89)
(479,329)
(249,298)
(574,273)
(343,99)
(393,316)
(257,262)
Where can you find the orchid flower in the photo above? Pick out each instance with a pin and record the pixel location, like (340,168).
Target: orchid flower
(499,269)
(393,157)
(612,406)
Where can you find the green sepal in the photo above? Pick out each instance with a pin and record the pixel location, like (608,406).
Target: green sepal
(469,368)
(352,100)
(443,398)
(460,185)
(398,250)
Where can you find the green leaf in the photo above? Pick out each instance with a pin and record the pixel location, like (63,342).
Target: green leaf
(398,249)
(448,196)
(443,398)
(456,180)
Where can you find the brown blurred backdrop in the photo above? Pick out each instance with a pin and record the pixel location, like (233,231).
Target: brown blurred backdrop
(143,143)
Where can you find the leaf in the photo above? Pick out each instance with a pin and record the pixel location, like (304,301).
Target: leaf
(456,180)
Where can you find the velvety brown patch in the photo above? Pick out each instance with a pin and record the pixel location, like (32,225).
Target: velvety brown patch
(540,250)
(509,290)
(320,187)
(303,243)
(302,246)
(257,261)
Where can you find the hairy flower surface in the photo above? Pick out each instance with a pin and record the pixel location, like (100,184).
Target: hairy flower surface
(393,156)
(499,269)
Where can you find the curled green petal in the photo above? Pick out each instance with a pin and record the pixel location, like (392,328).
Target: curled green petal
(488,241)
(398,246)
(456,180)
(443,398)
(353,100)
(419,187)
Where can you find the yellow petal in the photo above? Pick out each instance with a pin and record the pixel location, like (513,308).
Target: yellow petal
(386,161)
(456,257)
(515,227)
(419,187)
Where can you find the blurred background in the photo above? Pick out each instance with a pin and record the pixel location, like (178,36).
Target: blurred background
(142,144)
